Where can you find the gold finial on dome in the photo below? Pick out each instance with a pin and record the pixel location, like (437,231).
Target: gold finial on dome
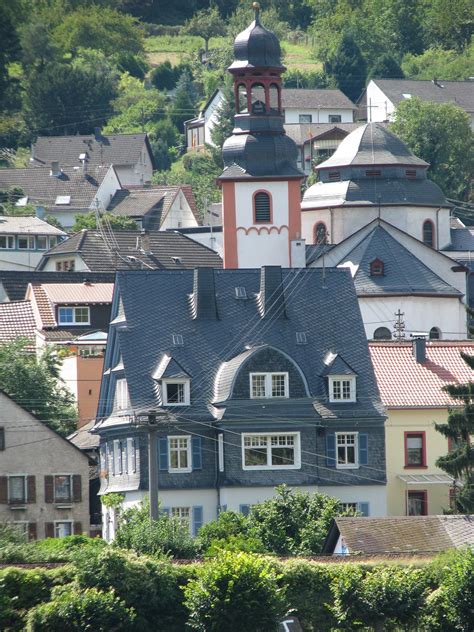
(256,8)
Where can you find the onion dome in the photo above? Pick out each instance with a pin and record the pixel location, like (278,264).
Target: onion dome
(256,47)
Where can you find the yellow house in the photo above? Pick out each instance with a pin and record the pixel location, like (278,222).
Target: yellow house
(410,377)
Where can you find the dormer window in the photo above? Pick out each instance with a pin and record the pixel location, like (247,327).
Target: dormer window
(73,316)
(268,385)
(262,208)
(122,399)
(342,388)
(377,268)
(320,234)
(176,392)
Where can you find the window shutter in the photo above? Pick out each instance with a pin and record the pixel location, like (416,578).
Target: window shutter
(363,448)
(124,445)
(197,453)
(77,488)
(31,489)
(49,529)
(163,453)
(32,531)
(331,450)
(4,489)
(363,508)
(131,466)
(197,520)
(49,494)
(77,528)
(244,510)
(165,510)
(116,457)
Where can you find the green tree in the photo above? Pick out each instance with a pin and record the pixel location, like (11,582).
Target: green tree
(447,28)
(117,222)
(440,134)
(99,28)
(459,429)
(235,592)
(386,67)
(438,62)
(184,101)
(37,45)
(206,23)
(34,383)
(348,67)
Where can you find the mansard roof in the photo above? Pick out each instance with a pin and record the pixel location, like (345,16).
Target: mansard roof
(156,308)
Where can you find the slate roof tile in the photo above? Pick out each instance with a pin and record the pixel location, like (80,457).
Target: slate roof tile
(459,92)
(405,383)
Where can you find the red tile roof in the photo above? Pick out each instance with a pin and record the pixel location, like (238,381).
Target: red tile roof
(405,383)
(43,305)
(16,319)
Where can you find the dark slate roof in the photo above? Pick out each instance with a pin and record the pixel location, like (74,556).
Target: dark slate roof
(462,239)
(256,47)
(460,93)
(304,132)
(156,305)
(401,534)
(42,188)
(317,99)
(84,439)
(107,149)
(137,202)
(15,282)
(336,365)
(371,144)
(403,272)
(133,250)
(16,319)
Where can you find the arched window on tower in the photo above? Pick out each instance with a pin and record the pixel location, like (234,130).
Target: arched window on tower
(262,208)
(428,233)
(258,99)
(382,333)
(320,233)
(274,98)
(435,333)
(242,98)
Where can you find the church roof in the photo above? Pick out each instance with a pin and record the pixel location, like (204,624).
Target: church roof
(372,144)
(256,47)
(403,272)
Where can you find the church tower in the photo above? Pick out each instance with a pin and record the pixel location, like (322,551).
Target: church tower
(260,182)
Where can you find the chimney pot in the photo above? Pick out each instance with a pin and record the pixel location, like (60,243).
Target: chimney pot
(419,348)
(55,170)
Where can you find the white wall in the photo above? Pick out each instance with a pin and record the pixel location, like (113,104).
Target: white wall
(421,313)
(379,106)
(79,265)
(19,259)
(211,240)
(263,247)
(211,116)
(108,187)
(318,115)
(180,214)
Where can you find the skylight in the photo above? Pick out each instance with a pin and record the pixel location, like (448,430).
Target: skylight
(301,338)
(240,292)
(63,200)
(177,340)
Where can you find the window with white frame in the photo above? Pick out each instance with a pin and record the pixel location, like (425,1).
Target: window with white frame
(179,454)
(17,490)
(347,449)
(122,399)
(62,488)
(271,451)
(266,385)
(342,388)
(182,514)
(176,392)
(74,315)
(7,242)
(26,242)
(62,528)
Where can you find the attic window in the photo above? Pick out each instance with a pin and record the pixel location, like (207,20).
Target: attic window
(410,173)
(177,260)
(177,340)
(82,156)
(63,200)
(301,338)
(334,176)
(373,173)
(406,95)
(240,292)
(376,268)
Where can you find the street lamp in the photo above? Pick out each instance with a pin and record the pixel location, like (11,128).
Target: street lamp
(151,420)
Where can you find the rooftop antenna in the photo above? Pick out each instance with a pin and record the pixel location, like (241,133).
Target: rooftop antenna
(399,327)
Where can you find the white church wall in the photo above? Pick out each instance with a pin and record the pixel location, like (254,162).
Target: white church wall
(421,313)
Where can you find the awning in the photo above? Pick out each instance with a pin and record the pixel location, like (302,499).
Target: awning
(426,479)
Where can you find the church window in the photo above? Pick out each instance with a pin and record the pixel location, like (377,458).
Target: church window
(242,98)
(376,268)
(435,333)
(320,234)
(334,176)
(428,233)
(262,208)
(410,173)
(258,99)
(274,98)
(373,173)
(382,333)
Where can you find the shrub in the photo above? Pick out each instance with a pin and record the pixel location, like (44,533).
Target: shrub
(28,587)
(235,592)
(150,587)
(88,609)
(162,537)
(231,531)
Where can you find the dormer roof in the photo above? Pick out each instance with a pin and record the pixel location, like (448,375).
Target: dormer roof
(336,365)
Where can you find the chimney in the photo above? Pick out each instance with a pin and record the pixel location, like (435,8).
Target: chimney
(145,239)
(298,253)
(203,298)
(84,167)
(271,298)
(55,169)
(419,348)
(32,158)
(98,134)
